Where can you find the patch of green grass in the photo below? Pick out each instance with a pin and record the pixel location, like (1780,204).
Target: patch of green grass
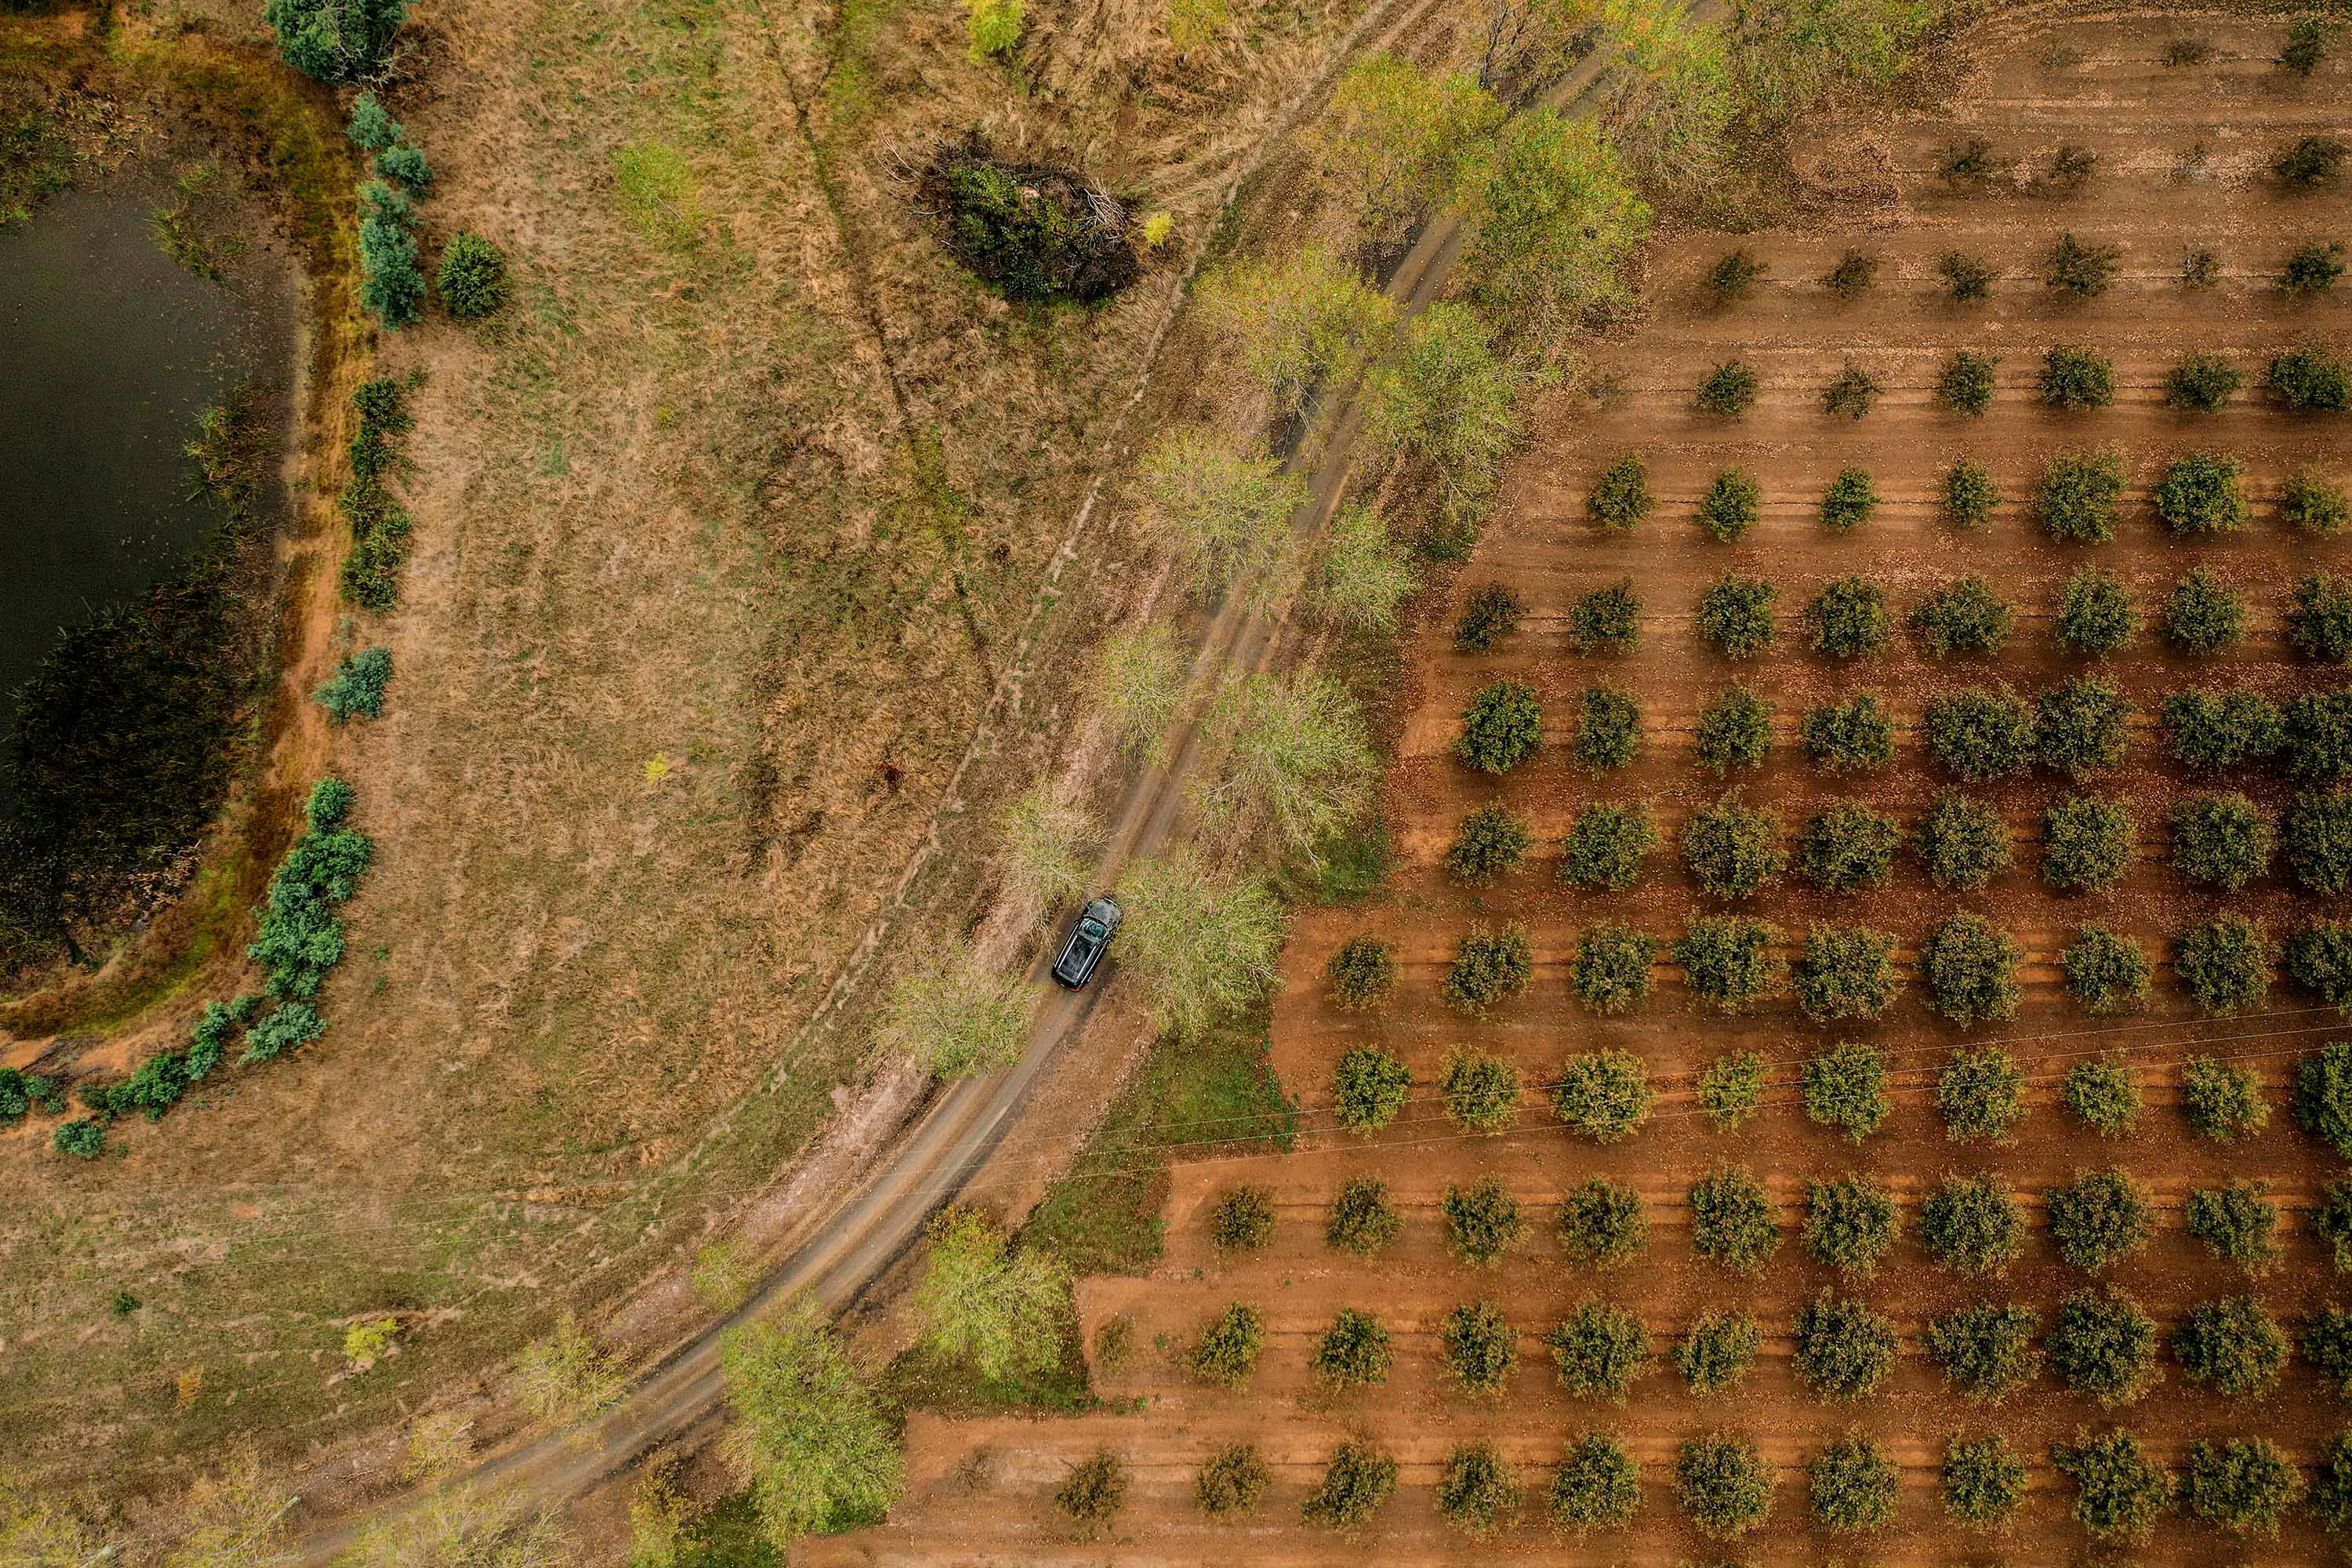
(1104,1217)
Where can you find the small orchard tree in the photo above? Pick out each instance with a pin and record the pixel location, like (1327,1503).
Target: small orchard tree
(2312,268)
(1986,1350)
(2312,503)
(1970,494)
(2103,1345)
(1723,1486)
(1501,728)
(1620,498)
(1243,1220)
(1489,967)
(1203,944)
(2221,841)
(1732,1222)
(1482,1221)
(1966,384)
(1965,843)
(1603,1095)
(1227,1351)
(1478,1493)
(1290,324)
(1597,1486)
(1490,616)
(1980,733)
(2327,1346)
(2119,1491)
(1727,390)
(1730,1088)
(2106,972)
(1490,844)
(1735,616)
(1355,1351)
(2095,614)
(2225,965)
(1849,618)
(2232,1346)
(1363,1219)
(1846,972)
(2330,1223)
(1856,735)
(472,277)
(1971,970)
(1094,1491)
(1851,1225)
(1359,1480)
(2323,1096)
(1611,971)
(2319,622)
(2319,962)
(1972,1222)
(1850,501)
(2213,732)
(1608,729)
(1727,961)
(2204,614)
(2099,1219)
(1607,846)
(1733,851)
(816,1443)
(2203,384)
(2238,1223)
(1232,1480)
(2077,378)
(1368,1086)
(986,1303)
(2079,495)
(1842,1349)
(1850,393)
(2087,844)
(1603,1224)
(1362,973)
(1982,1480)
(2202,494)
(2079,268)
(2104,1095)
(2315,736)
(1852,276)
(1481,1091)
(1608,620)
(1719,1351)
(2244,1486)
(2318,838)
(2081,728)
(1852,1487)
(1981,1095)
(1732,505)
(2331,1485)
(1850,848)
(1962,617)
(1966,279)
(1599,1349)
(1479,1347)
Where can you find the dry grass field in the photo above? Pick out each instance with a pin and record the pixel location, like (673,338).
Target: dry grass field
(2182,115)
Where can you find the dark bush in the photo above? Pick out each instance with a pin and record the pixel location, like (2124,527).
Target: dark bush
(1733,851)
(1362,973)
(2312,161)
(2204,614)
(2222,1101)
(1982,1480)
(1735,616)
(2095,615)
(1030,231)
(2119,1491)
(1363,1221)
(2221,841)
(1606,620)
(1845,1089)
(2230,1346)
(1970,495)
(1355,1484)
(2319,962)
(1726,960)
(2076,378)
(335,40)
(2105,1346)
(1971,970)
(1480,1347)
(2323,1096)
(1243,1220)
(1980,733)
(1842,1348)
(1853,736)
(1733,277)
(1621,497)
(2106,972)
(1233,1480)
(2316,735)
(1966,279)
(1852,276)
(1723,1486)
(1966,384)
(1095,1491)
(2311,503)
(1981,1095)
(1731,505)
(2238,1223)
(1488,967)
(1491,613)
(2243,1486)
(1961,617)
(2330,1223)
(1850,393)
(472,280)
(2319,622)
(1597,1487)
(2313,269)
(1608,729)
(392,282)
(2087,844)
(2081,727)
(1226,1352)
(1604,1095)
(1599,1350)
(1972,1222)
(2199,267)
(1846,972)
(1848,848)
(2099,1219)
(1481,1091)
(2311,381)
(2080,270)
(1603,1224)
(1717,1352)
(1731,1219)
(1478,1493)
(1730,1088)
(1369,1087)
(1735,731)
(2307,46)
(1492,842)
(1612,969)
(1355,1351)
(83,1137)
(1482,1221)
(1849,618)
(2080,492)
(1852,1487)
(357,686)
(2202,494)
(2327,1345)
(2225,965)
(2212,732)
(2203,384)
(1606,847)
(2069,169)
(1986,1350)
(1964,842)
(1501,728)
(1851,1225)
(1729,391)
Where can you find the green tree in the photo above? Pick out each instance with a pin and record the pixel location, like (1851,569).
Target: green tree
(1362,972)
(1971,970)
(1203,944)
(1620,498)
(1603,1224)
(2319,962)
(472,277)
(1608,620)
(991,28)
(2244,1486)
(1852,1486)
(2312,503)
(1367,571)
(1962,617)
(1606,847)
(1363,1220)
(1728,392)
(986,1303)
(1732,1221)
(1851,499)
(1223,511)
(1400,141)
(1981,1095)
(1554,220)
(1735,616)
(1491,843)
(2202,494)
(1732,505)
(1856,735)
(1733,851)
(1982,1480)
(2077,378)
(2119,1491)
(1972,1222)
(1232,1480)
(1966,384)
(1986,1350)
(566,1376)
(1599,1349)
(1479,1347)
(1227,1351)
(2081,728)
(1964,842)
(2323,1095)
(1597,1486)
(1481,1091)
(2105,1346)
(1847,972)
(2203,384)
(815,1442)
(2232,1346)
(1482,1221)
(1489,967)
(1719,1351)
(2087,844)
(1851,1225)
(2319,841)
(1355,1351)
(1842,1349)
(2079,268)
(1730,1089)
(2212,732)
(335,40)
(1970,495)
(1291,323)
(1243,1220)
(1849,847)
(2204,614)
(1478,1492)
(1727,961)
(2225,965)
(1980,733)
(2095,615)
(2221,841)
(1611,970)
(1603,1095)
(1501,727)
(1369,1087)
(1360,1479)
(2099,1219)
(1608,729)
(1291,751)
(2079,495)
(2319,622)
(2237,1222)
(2104,1095)
(1723,1486)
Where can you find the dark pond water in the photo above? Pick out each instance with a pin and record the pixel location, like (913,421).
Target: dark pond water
(109,353)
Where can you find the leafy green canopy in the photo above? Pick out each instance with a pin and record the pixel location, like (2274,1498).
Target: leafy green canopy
(815,1441)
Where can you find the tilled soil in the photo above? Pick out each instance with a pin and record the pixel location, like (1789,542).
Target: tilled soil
(981,1490)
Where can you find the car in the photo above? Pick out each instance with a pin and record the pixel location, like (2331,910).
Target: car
(1083,949)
